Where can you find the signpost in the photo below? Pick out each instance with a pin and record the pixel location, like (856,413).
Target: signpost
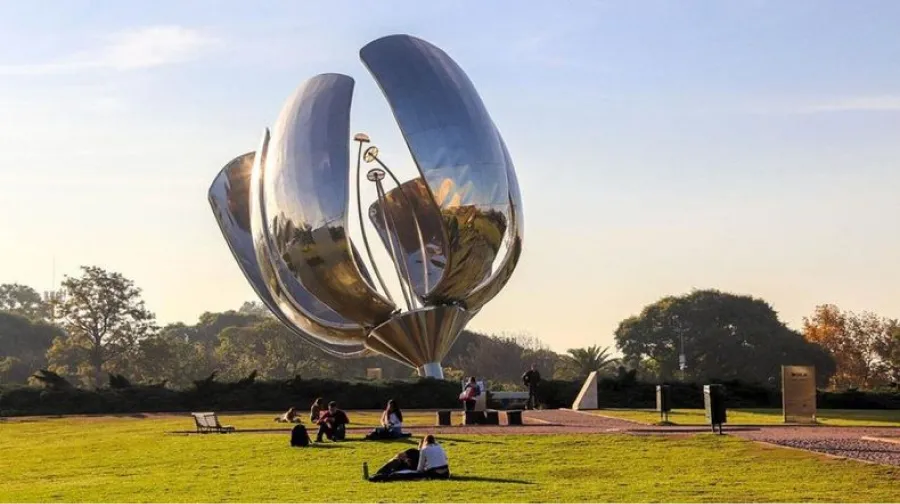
(798,394)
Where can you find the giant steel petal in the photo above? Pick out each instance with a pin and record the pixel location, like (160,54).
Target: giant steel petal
(498,280)
(456,148)
(306,200)
(296,303)
(229,197)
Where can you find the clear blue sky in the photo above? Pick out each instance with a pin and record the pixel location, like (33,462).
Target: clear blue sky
(750,146)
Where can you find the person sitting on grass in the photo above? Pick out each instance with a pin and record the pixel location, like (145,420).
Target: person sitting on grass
(315,411)
(433,463)
(332,423)
(391,423)
(290,416)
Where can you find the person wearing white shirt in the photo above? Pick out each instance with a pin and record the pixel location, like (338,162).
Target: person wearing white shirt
(392,419)
(433,461)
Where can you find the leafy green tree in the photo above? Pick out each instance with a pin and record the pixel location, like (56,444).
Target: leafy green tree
(211,324)
(23,300)
(592,358)
(726,336)
(255,308)
(23,346)
(273,351)
(888,349)
(104,318)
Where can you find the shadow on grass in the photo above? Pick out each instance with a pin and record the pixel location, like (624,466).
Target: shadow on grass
(454,477)
(324,446)
(408,441)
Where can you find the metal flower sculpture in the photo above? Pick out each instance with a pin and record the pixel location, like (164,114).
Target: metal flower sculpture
(284,211)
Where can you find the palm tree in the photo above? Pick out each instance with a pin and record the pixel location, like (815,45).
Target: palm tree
(592,358)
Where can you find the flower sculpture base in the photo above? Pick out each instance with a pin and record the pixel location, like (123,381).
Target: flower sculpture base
(421,336)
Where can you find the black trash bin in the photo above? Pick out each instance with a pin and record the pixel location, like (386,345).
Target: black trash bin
(473,417)
(443,417)
(663,402)
(514,417)
(714,403)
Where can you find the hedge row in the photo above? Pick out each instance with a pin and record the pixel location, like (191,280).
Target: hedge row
(613,393)
(278,395)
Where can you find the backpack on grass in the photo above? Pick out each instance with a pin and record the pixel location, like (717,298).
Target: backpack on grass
(299,436)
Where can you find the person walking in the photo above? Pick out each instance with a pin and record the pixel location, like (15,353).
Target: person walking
(531,379)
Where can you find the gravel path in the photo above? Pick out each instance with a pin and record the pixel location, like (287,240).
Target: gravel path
(837,441)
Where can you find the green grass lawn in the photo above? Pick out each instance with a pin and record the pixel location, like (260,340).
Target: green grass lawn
(123,459)
(851,418)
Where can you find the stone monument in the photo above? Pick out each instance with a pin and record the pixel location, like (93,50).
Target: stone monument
(587,398)
(798,394)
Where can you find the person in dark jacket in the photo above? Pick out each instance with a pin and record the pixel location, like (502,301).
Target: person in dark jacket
(332,423)
(402,466)
(531,379)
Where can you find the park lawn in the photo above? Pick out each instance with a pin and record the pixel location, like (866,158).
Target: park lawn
(835,417)
(130,459)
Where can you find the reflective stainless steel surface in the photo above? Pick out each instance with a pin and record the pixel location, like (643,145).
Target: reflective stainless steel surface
(229,197)
(306,190)
(424,335)
(418,220)
(493,285)
(457,149)
(304,310)
(284,211)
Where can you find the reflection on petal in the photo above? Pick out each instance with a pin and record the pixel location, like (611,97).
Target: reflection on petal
(498,280)
(295,302)
(457,149)
(306,189)
(229,197)
(414,212)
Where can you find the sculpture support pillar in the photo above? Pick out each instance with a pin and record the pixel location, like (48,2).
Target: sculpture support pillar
(431,370)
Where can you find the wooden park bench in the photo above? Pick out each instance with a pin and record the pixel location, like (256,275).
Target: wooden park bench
(209,422)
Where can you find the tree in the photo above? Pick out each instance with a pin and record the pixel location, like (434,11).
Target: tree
(23,346)
(861,343)
(888,349)
(21,299)
(211,324)
(592,358)
(725,336)
(104,318)
(273,351)
(255,308)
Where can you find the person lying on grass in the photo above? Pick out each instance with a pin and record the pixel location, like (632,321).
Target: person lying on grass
(290,416)
(427,462)
(332,423)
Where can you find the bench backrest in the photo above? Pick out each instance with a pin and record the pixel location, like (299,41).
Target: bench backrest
(206,419)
